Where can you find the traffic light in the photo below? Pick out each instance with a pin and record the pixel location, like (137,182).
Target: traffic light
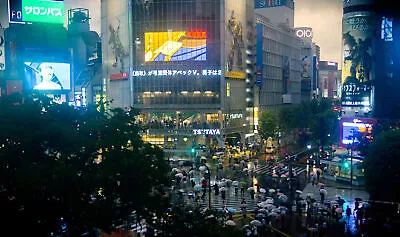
(346,164)
(192,150)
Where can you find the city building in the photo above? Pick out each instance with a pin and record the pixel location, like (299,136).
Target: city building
(281,65)
(182,64)
(58,62)
(328,79)
(370,67)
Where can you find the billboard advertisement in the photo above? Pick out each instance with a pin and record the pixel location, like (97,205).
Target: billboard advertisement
(354,129)
(48,76)
(358,66)
(2,52)
(259,55)
(45,11)
(175,46)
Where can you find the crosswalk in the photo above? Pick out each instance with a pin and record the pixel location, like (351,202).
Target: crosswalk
(232,200)
(278,171)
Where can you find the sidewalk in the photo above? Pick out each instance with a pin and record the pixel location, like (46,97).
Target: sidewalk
(334,184)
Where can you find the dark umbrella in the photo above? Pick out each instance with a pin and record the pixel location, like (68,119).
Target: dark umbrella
(358,199)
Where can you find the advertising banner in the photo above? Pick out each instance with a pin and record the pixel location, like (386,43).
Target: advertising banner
(269,3)
(353,130)
(175,46)
(358,66)
(45,11)
(2,53)
(48,76)
(259,55)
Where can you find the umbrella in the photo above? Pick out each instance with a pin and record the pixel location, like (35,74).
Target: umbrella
(179,175)
(283,176)
(269,206)
(203,158)
(279,194)
(365,204)
(230,223)
(243,183)
(193,179)
(181,190)
(276,210)
(260,215)
(269,201)
(255,223)
(299,191)
(232,210)
(283,198)
(284,209)
(334,202)
(309,195)
(228,181)
(323,191)
(257,184)
(275,175)
(358,199)
(245,169)
(222,189)
(236,165)
(262,190)
(235,183)
(262,210)
(191,172)
(339,210)
(197,187)
(271,190)
(250,189)
(175,170)
(321,184)
(273,214)
(202,168)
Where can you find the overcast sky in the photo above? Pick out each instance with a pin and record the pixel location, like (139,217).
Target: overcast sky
(324,16)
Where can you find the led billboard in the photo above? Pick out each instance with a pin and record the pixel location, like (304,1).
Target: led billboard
(358,65)
(48,76)
(45,11)
(354,129)
(175,46)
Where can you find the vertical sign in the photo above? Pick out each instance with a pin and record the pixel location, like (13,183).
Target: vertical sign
(358,64)
(259,54)
(314,73)
(2,53)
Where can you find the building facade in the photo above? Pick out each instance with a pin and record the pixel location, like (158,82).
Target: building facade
(328,79)
(281,65)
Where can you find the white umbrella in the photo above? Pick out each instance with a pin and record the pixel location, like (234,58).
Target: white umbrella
(276,210)
(228,181)
(269,201)
(222,189)
(230,223)
(179,175)
(191,172)
(249,189)
(262,190)
(273,214)
(202,168)
(235,183)
(283,176)
(284,209)
(299,191)
(245,169)
(262,210)
(193,179)
(255,223)
(175,170)
(323,191)
(269,206)
(275,175)
(197,187)
(271,190)
(283,198)
(203,158)
(309,195)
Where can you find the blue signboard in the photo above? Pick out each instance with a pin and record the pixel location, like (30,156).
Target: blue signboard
(270,3)
(259,54)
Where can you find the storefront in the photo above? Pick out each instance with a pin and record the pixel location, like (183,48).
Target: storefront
(339,169)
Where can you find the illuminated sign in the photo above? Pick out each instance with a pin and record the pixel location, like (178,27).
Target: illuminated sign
(387,29)
(174,72)
(175,46)
(2,53)
(206,131)
(119,76)
(235,116)
(48,76)
(269,3)
(15,11)
(352,130)
(46,11)
(304,32)
(358,64)
(236,75)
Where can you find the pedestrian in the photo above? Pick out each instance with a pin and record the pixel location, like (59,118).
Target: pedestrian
(252,194)
(313,179)
(204,185)
(236,190)
(223,195)
(242,190)
(216,189)
(243,207)
(193,183)
(340,201)
(348,211)
(322,194)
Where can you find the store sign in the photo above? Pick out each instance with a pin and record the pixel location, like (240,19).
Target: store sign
(45,11)
(269,3)
(174,72)
(236,116)
(304,32)
(2,53)
(206,132)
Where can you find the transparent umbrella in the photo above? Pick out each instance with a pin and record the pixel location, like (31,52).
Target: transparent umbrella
(255,223)
(230,223)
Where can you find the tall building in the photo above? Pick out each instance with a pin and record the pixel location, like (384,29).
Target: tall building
(278,12)
(280,63)
(182,64)
(370,70)
(328,79)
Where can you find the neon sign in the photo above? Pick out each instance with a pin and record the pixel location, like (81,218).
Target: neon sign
(206,131)
(175,72)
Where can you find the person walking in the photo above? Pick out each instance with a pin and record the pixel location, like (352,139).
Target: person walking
(216,189)
(243,207)
(242,190)
(223,195)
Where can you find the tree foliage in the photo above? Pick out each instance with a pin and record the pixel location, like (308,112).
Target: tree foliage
(67,171)
(382,166)
(268,124)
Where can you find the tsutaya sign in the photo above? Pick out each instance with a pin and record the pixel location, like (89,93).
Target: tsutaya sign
(46,11)
(206,132)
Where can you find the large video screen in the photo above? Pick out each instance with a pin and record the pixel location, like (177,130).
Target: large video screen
(358,64)
(48,76)
(352,130)
(175,46)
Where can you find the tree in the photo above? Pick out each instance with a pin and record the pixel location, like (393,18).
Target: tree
(382,167)
(268,124)
(66,171)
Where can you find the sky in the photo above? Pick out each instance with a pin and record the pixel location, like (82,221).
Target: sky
(323,16)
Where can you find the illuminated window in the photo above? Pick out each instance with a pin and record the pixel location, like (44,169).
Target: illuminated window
(228,89)
(386,29)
